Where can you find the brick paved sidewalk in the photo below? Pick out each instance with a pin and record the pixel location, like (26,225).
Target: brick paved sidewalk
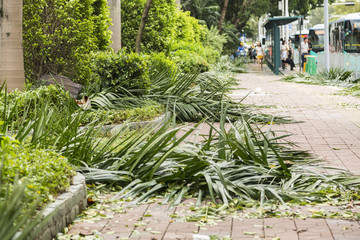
(328,129)
(330,125)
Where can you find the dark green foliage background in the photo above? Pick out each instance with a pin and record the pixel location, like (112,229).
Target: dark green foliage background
(127,70)
(58,35)
(159,29)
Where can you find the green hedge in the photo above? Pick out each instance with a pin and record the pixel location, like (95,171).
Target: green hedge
(58,35)
(159,29)
(188,29)
(160,62)
(24,103)
(192,57)
(46,173)
(127,70)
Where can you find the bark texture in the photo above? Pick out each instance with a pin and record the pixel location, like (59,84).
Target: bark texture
(115,15)
(142,25)
(11,50)
(223,14)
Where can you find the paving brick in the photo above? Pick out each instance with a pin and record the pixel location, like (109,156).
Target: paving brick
(87,228)
(242,228)
(156,222)
(222,229)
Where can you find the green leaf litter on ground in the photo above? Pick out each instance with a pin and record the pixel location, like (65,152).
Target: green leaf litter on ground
(249,233)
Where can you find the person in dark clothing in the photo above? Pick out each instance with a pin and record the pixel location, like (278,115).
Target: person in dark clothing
(291,63)
(290,48)
(309,45)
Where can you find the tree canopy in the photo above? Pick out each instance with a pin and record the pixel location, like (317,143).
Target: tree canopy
(239,12)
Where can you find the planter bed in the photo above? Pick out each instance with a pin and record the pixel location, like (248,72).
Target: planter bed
(57,215)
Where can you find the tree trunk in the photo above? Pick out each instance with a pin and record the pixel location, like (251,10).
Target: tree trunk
(115,15)
(142,25)
(178,4)
(223,13)
(11,51)
(239,26)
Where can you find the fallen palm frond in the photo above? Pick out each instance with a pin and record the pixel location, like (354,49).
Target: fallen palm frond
(192,96)
(198,96)
(242,162)
(333,76)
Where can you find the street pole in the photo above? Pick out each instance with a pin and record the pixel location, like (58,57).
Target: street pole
(259,29)
(287,15)
(326,35)
(300,57)
(282,14)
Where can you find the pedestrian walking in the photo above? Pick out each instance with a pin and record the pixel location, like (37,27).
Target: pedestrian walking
(241,50)
(260,56)
(291,49)
(304,50)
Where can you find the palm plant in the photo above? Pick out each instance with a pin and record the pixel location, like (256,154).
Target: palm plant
(192,96)
(333,76)
(215,39)
(336,74)
(239,163)
(243,162)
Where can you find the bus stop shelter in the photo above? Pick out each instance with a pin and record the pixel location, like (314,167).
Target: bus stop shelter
(272,43)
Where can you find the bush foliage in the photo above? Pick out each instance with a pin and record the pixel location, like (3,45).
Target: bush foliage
(175,33)
(127,70)
(159,28)
(28,99)
(65,37)
(58,35)
(46,173)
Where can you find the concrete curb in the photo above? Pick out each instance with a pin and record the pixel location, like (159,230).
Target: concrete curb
(57,215)
(63,211)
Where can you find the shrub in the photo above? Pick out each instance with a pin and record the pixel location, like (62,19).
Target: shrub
(28,100)
(159,62)
(192,56)
(58,35)
(189,61)
(16,214)
(188,28)
(159,28)
(165,26)
(46,173)
(127,70)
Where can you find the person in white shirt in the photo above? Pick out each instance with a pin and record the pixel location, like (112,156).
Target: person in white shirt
(260,56)
(291,49)
(304,49)
(284,55)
